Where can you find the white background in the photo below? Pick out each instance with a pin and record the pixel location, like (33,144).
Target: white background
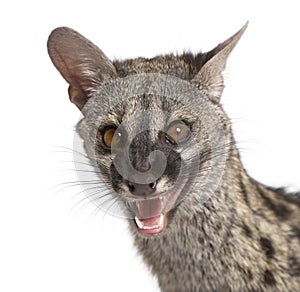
(50,240)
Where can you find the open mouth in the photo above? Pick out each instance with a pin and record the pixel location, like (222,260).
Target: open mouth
(151,213)
(151,218)
(152,225)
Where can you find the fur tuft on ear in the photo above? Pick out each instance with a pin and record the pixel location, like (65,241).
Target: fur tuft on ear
(209,79)
(81,63)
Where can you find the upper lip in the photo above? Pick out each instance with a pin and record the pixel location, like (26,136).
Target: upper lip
(167,201)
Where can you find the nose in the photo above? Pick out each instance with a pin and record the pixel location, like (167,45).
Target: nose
(142,189)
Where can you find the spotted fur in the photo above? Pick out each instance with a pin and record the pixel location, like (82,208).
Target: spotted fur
(246,236)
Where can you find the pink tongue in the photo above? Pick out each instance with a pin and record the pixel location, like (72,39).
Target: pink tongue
(150,211)
(151,218)
(151,221)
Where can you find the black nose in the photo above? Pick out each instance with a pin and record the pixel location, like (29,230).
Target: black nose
(141,189)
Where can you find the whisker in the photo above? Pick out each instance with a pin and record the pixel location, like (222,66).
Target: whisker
(89,198)
(80,170)
(115,200)
(105,210)
(89,164)
(76,184)
(70,150)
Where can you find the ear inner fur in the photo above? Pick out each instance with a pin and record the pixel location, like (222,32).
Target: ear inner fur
(80,62)
(209,79)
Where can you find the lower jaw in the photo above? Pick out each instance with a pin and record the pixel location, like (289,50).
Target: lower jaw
(159,225)
(152,213)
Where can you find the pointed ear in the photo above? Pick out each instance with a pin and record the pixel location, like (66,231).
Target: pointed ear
(209,79)
(81,63)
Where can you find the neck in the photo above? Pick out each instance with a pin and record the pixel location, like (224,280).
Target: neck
(226,243)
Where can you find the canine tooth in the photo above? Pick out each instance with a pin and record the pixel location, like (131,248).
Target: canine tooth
(139,223)
(161,220)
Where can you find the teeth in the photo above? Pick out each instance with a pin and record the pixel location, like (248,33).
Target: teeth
(141,224)
(161,220)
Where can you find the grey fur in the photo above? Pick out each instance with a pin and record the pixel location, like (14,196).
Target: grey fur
(245,236)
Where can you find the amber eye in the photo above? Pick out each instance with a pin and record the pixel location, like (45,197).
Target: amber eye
(177,132)
(112,137)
